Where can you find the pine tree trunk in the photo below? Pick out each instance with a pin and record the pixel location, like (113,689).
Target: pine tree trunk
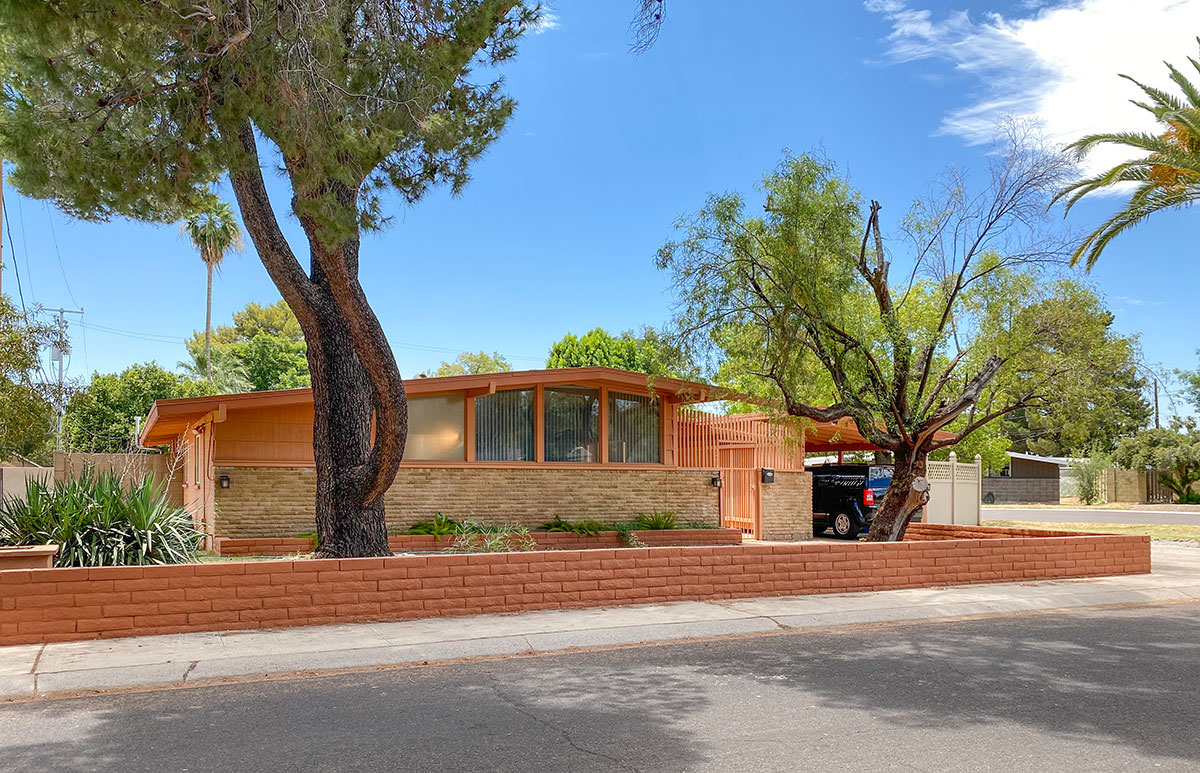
(904,497)
(360,411)
(208,325)
(348,524)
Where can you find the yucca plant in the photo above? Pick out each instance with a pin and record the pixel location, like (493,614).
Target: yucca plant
(655,520)
(1167,176)
(97,523)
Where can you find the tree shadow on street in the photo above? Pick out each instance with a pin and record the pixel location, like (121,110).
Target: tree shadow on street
(1125,677)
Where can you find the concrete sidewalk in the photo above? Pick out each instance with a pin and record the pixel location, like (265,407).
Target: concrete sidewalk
(29,671)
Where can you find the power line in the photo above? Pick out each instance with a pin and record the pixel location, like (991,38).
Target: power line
(160,338)
(83,334)
(135,334)
(447,350)
(61,267)
(25,247)
(12,247)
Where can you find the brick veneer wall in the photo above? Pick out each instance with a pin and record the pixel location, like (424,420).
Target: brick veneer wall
(39,605)
(554,540)
(278,502)
(1014,491)
(786,506)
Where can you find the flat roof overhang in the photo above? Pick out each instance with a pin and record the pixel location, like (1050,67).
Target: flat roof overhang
(168,418)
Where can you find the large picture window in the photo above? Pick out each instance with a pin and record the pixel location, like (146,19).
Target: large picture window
(572,424)
(633,429)
(435,429)
(504,426)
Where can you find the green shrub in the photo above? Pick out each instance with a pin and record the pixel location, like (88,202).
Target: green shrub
(96,523)
(1088,473)
(1188,498)
(655,521)
(582,528)
(440,526)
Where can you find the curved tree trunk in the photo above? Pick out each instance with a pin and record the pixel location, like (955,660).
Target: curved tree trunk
(907,494)
(360,412)
(349,516)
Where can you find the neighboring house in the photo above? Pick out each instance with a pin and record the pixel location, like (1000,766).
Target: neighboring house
(1028,479)
(523,446)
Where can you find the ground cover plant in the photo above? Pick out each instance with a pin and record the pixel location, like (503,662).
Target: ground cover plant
(582,528)
(473,536)
(95,522)
(476,537)
(440,526)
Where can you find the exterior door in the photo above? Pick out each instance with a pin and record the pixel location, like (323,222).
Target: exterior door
(739,490)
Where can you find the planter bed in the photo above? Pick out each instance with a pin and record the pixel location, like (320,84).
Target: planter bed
(40,605)
(27,557)
(546,540)
(934,531)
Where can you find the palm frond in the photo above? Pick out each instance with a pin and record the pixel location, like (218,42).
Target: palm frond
(1163,100)
(1188,88)
(1146,201)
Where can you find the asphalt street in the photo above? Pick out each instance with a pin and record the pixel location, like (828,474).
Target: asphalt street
(1060,515)
(1096,690)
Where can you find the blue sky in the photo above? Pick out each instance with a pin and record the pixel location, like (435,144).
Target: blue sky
(557,231)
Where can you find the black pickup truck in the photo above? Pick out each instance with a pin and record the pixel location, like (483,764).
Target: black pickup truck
(844,496)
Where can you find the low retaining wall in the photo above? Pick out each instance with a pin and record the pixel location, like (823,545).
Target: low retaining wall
(27,557)
(551,540)
(933,531)
(40,605)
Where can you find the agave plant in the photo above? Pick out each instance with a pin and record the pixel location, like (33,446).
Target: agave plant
(1166,177)
(97,522)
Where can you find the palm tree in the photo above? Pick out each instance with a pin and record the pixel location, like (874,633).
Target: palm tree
(1167,176)
(213,231)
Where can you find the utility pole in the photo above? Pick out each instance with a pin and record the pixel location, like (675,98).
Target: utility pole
(1156,424)
(1,225)
(56,356)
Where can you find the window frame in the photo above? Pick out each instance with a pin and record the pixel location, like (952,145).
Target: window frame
(539,428)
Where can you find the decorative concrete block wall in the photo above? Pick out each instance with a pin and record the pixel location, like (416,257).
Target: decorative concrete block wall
(1012,491)
(40,605)
(278,501)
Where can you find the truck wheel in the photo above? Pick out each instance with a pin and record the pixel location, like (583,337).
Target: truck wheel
(844,526)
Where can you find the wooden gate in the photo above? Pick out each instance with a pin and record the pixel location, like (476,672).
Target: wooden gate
(1156,492)
(739,490)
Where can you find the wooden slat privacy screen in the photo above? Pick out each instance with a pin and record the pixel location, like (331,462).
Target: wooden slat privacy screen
(700,436)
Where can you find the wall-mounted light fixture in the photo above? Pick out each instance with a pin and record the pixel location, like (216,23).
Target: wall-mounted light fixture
(716,481)
(224,481)
(768,475)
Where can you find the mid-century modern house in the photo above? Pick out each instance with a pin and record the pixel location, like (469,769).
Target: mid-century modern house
(525,447)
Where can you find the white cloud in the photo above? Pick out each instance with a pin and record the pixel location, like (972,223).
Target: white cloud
(1057,64)
(546,22)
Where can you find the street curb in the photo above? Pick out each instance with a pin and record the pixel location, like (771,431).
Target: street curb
(183,674)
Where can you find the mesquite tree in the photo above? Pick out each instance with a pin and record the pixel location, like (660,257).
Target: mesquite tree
(137,109)
(802,299)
